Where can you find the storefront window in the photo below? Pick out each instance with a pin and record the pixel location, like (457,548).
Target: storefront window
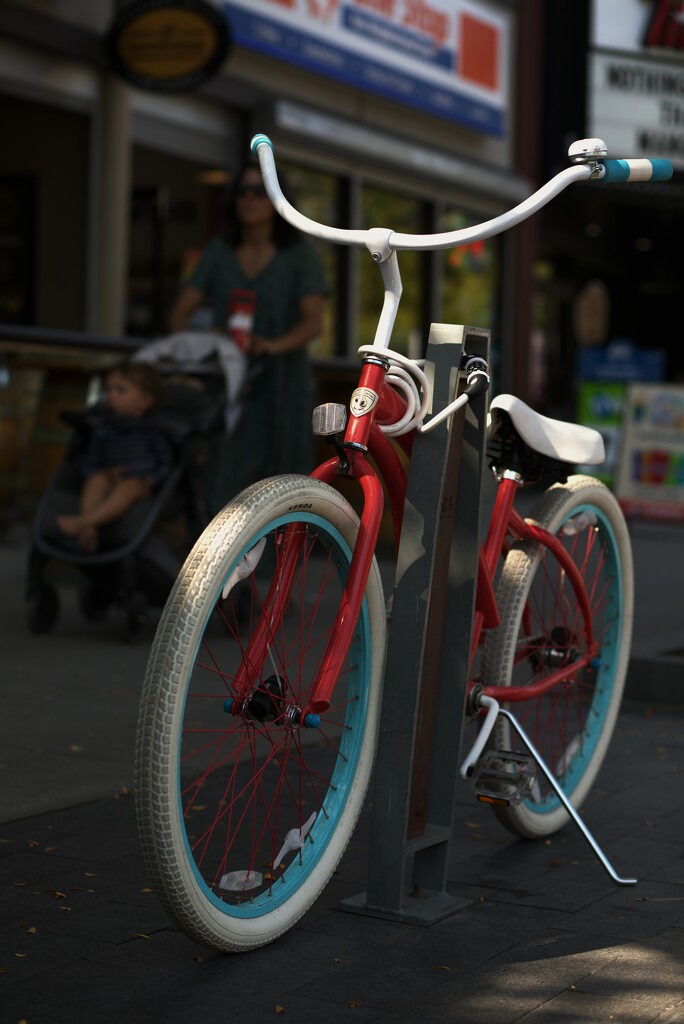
(389,209)
(315,194)
(174,211)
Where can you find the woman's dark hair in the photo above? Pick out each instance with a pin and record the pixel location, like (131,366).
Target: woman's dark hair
(284,234)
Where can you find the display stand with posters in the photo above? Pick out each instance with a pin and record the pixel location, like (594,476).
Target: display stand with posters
(604,376)
(650,478)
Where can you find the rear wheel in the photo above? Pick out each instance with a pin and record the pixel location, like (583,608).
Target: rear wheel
(244,808)
(543,629)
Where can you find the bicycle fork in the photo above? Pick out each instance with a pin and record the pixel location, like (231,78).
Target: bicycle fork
(278,597)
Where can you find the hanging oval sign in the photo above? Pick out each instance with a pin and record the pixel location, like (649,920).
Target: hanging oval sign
(167,46)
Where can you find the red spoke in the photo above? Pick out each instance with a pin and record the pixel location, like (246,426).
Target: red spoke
(255,779)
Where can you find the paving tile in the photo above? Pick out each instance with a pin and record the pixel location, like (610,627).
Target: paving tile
(671,827)
(378,982)
(536,976)
(25,954)
(672,872)
(631,913)
(648,971)
(642,855)
(105,829)
(610,816)
(475,935)
(362,929)
(82,915)
(572,1007)
(571,886)
(672,1014)
(239,1002)
(80,989)
(492,995)
(652,797)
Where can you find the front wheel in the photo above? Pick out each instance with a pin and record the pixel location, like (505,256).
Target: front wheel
(244,807)
(543,629)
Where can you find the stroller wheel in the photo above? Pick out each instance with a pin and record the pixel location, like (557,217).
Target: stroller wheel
(137,613)
(94,606)
(42,609)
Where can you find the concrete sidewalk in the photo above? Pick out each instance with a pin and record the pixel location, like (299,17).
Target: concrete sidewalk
(547,936)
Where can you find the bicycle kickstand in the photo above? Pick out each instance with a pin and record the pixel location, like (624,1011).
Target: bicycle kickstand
(512,771)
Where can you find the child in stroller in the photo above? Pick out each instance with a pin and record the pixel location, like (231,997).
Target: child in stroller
(112,534)
(126,457)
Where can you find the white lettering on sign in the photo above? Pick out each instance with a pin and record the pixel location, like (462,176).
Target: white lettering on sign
(385,7)
(648,80)
(427,19)
(637,107)
(446,57)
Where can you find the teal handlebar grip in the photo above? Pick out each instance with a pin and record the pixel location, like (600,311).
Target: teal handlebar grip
(256,142)
(636,170)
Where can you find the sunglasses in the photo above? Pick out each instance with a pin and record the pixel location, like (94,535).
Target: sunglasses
(258,191)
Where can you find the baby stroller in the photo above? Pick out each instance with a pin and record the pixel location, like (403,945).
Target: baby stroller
(134,566)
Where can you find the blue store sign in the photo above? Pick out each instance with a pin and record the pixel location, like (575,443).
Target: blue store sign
(621,361)
(446,57)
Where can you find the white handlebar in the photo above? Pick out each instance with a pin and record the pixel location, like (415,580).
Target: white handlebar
(477,232)
(382,241)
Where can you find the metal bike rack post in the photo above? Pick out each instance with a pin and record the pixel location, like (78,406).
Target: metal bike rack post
(428,652)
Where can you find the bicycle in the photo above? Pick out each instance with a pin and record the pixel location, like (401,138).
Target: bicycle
(261,701)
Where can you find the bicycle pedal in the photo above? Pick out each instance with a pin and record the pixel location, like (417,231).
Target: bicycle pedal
(328,419)
(503,777)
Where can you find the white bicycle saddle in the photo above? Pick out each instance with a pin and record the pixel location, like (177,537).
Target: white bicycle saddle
(567,442)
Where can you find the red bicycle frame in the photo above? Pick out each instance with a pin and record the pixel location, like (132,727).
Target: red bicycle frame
(383,405)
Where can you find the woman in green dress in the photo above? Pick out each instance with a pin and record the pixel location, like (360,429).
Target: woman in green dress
(262,262)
